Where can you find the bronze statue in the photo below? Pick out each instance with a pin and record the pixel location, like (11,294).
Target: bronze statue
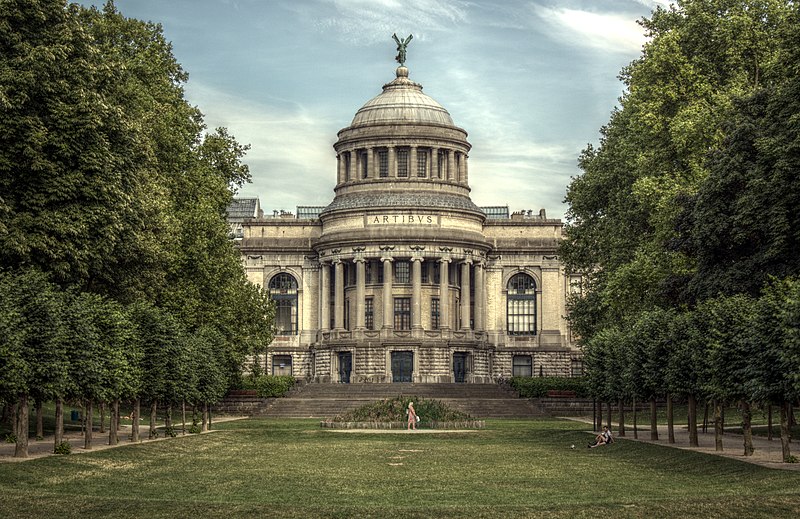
(401,48)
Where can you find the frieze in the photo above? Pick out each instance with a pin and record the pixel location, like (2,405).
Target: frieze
(402,219)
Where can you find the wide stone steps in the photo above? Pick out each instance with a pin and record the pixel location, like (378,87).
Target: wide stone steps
(328,400)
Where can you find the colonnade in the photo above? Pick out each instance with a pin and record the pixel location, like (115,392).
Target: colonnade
(388,292)
(440,163)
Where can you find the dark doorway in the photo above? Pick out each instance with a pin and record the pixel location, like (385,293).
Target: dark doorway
(460,366)
(345,366)
(402,366)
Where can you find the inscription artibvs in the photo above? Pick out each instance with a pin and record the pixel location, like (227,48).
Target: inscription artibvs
(401,219)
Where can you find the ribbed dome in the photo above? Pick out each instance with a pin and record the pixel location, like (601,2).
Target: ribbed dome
(402,101)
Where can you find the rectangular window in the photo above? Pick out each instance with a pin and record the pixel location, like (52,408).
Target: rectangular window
(425,267)
(435,324)
(402,313)
(577,367)
(383,163)
(364,166)
(422,163)
(402,163)
(437,272)
(346,314)
(522,316)
(369,314)
(402,272)
(522,366)
(285,316)
(379,271)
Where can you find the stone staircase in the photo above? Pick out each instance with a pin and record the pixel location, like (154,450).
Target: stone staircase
(328,400)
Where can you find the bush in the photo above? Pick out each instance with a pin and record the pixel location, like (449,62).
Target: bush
(63,448)
(269,386)
(537,387)
(394,410)
(11,438)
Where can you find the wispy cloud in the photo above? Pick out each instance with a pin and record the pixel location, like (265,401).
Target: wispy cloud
(603,31)
(291,159)
(369,21)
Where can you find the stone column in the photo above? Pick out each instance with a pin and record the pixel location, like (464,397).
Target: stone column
(465,175)
(388,301)
(338,296)
(361,286)
(325,296)
(339,169)
(444,294)
(434,162)
(412,159)
(465,294)
(353,165)
(370,163)
(451,168)
(480,297)
(392,159)
(416,291)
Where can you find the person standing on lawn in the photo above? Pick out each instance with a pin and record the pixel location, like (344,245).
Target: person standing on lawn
(412,417)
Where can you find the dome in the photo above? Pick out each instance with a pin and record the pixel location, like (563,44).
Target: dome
(402,101)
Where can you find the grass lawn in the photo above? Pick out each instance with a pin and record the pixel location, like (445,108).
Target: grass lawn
(282,468)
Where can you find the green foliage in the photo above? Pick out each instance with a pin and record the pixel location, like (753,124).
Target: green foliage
(537,387)
(63,448)
(395,410)
(269,386)
(11,438)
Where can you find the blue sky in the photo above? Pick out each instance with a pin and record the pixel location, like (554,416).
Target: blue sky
(531,81)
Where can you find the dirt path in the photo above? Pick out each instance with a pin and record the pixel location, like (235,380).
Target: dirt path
(767,453)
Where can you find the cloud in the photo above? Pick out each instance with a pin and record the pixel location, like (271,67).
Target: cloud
(602,31)
(365,22)
(291,159)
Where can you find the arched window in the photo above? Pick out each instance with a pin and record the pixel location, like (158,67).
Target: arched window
(521,306)
(283,290)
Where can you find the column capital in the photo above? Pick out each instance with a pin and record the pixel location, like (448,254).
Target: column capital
(445,259)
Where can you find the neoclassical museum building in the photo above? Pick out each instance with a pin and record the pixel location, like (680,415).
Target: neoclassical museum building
(402,278)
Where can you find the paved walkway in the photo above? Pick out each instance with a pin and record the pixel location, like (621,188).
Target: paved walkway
(42,448)
(767,453)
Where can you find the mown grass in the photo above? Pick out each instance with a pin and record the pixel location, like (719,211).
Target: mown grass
(261,468)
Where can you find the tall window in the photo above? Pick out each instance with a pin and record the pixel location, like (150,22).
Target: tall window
(437,269)
(402,313)
(364,166)
(521,309)
(369,314)
(383,163)
(283,290)
(424,272)
(422,163)
(402,272)
(402,163)
(435,324)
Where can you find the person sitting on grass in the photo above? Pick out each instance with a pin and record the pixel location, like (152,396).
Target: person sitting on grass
(604,438)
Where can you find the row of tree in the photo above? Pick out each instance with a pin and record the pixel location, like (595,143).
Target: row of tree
(684,221)
(117,278)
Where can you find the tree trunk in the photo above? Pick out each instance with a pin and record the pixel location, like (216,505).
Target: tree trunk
(59,427)
(747,430)
(693,421)
(112,426)
(653,419)
(769,422)
(718,425)
(786,434)
(705,418)
(153,410)
(635,420)
(183,416)
(39,420)
(608,414)
(722,419)
(204,426)
(670,420)
(15,418)
(621,430)
(87,440)
(102,406)
(135,420)
(168,420)
(209,420)
(21,448)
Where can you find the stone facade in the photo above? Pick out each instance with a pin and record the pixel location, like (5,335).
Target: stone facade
(402,278)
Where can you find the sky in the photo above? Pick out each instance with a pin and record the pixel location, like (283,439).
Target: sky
(532,82)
